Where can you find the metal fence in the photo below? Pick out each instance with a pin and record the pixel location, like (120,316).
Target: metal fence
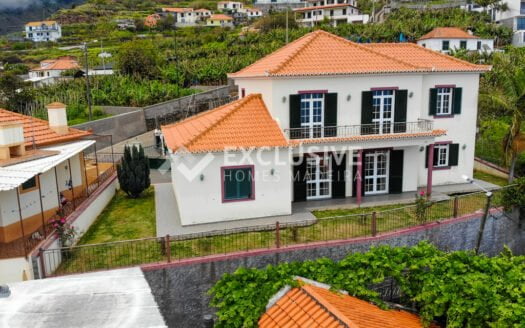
(127,253)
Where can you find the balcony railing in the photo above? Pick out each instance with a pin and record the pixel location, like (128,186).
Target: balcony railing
(346,131)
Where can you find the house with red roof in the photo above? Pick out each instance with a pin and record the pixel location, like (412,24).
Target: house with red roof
(325,118)
(314,305)
(47,171)
(337,12)
(446,39)
(52,70)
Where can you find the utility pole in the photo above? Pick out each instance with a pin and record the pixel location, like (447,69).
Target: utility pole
(287,24)
(483,222)
(88,88)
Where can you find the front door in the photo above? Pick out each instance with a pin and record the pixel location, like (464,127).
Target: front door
(318,182)
(312,115)
(376,168)
(383,111)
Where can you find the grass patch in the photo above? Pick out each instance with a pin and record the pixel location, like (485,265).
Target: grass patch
(490,178)
(320,214)
(123,219)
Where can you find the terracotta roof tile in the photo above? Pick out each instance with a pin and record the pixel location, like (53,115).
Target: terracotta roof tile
(448,33)
(220,17)
(312,306)
(63,63)
(244,123)
(322,53)
(177,10)
(39,129)
(39,23)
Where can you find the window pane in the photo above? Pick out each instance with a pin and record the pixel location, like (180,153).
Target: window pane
(31,183)
(238,183)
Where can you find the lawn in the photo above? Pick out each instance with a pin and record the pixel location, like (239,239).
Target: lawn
(490,178)
(123,219)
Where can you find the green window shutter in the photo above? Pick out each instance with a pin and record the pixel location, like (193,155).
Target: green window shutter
(366,112)
(426,156)
(456,102)
(435,159)
(299,181)
(433,102)
(400,111)
(395,182)
(330,114)
(338,176)
(295,111)
(453,154)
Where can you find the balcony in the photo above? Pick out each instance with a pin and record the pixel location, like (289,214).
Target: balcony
(349,131)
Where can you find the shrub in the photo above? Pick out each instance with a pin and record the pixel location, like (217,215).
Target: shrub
(514,196)
(133,171)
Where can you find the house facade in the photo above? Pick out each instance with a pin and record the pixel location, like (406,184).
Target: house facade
(219,20)
(514,18)
(43,31)
(446,39)
(396,118)
(51,70)
(187,16)
(230,6)
(336,11)
(252,13)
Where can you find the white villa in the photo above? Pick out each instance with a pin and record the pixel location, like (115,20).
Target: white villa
(43,175)
(43,31)
(230,6)
(324,118)
(337,11)
(51,70)
(445,39)
(514,18)
(253,13)
(187,16)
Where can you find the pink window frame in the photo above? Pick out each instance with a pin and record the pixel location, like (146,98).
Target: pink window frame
(252,173)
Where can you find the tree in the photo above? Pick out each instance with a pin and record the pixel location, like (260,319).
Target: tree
(138,59)
(506,89)
(133,171)
(14,93)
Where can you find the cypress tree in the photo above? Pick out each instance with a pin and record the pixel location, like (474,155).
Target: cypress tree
(133,171)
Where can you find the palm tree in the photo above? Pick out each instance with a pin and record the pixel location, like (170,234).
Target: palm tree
(507,91)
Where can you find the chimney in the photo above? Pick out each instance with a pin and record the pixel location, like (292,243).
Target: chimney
(11,140)
(57,117)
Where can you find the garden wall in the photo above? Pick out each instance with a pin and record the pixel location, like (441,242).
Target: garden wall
(181,288)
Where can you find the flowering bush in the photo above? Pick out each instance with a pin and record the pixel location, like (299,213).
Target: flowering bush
(422,204)
(65,231)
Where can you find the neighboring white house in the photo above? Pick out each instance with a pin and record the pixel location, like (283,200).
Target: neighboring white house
(51,70)
(230,6)
(336,11)
(324,117)
(202,14)
(219,20)
(42,172)
(253,13)
(445,39)
(514,18)
(43,31)
(187,16)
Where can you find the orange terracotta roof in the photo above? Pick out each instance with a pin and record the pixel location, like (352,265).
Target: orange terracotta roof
(60,64)
(220,17)
(314,306)
(369,137)
(39,129)
(322,53)
(202,10)
(49,22)
(448,33)
(245,123)
(177,10)
(337,5)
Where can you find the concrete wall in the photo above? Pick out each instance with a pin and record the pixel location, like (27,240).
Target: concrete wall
(117,110)
(121,127)
(16,269)
(204,203)
(181,289)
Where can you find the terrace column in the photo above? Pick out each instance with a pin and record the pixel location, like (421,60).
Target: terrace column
(42,207)
(359,176)
(430,164)
(21,221)
(71,181)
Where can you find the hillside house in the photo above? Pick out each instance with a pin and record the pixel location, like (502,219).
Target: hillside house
(252,13)
(337,12)
(187,16)
(446,39)
(514,18)
(43,31)
(312,125)
(45,173)
(230,6)
(219,20)
(52,70)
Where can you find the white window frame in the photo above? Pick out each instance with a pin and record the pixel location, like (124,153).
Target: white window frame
(381,121)
(375,176)
(444,106)
(315,179)
(313,128)
(442,153)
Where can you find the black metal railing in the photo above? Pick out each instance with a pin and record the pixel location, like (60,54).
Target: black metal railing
(345,131)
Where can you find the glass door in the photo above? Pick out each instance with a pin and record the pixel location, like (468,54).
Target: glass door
(383,111)
(376,169)
(318,177)
(312,115)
